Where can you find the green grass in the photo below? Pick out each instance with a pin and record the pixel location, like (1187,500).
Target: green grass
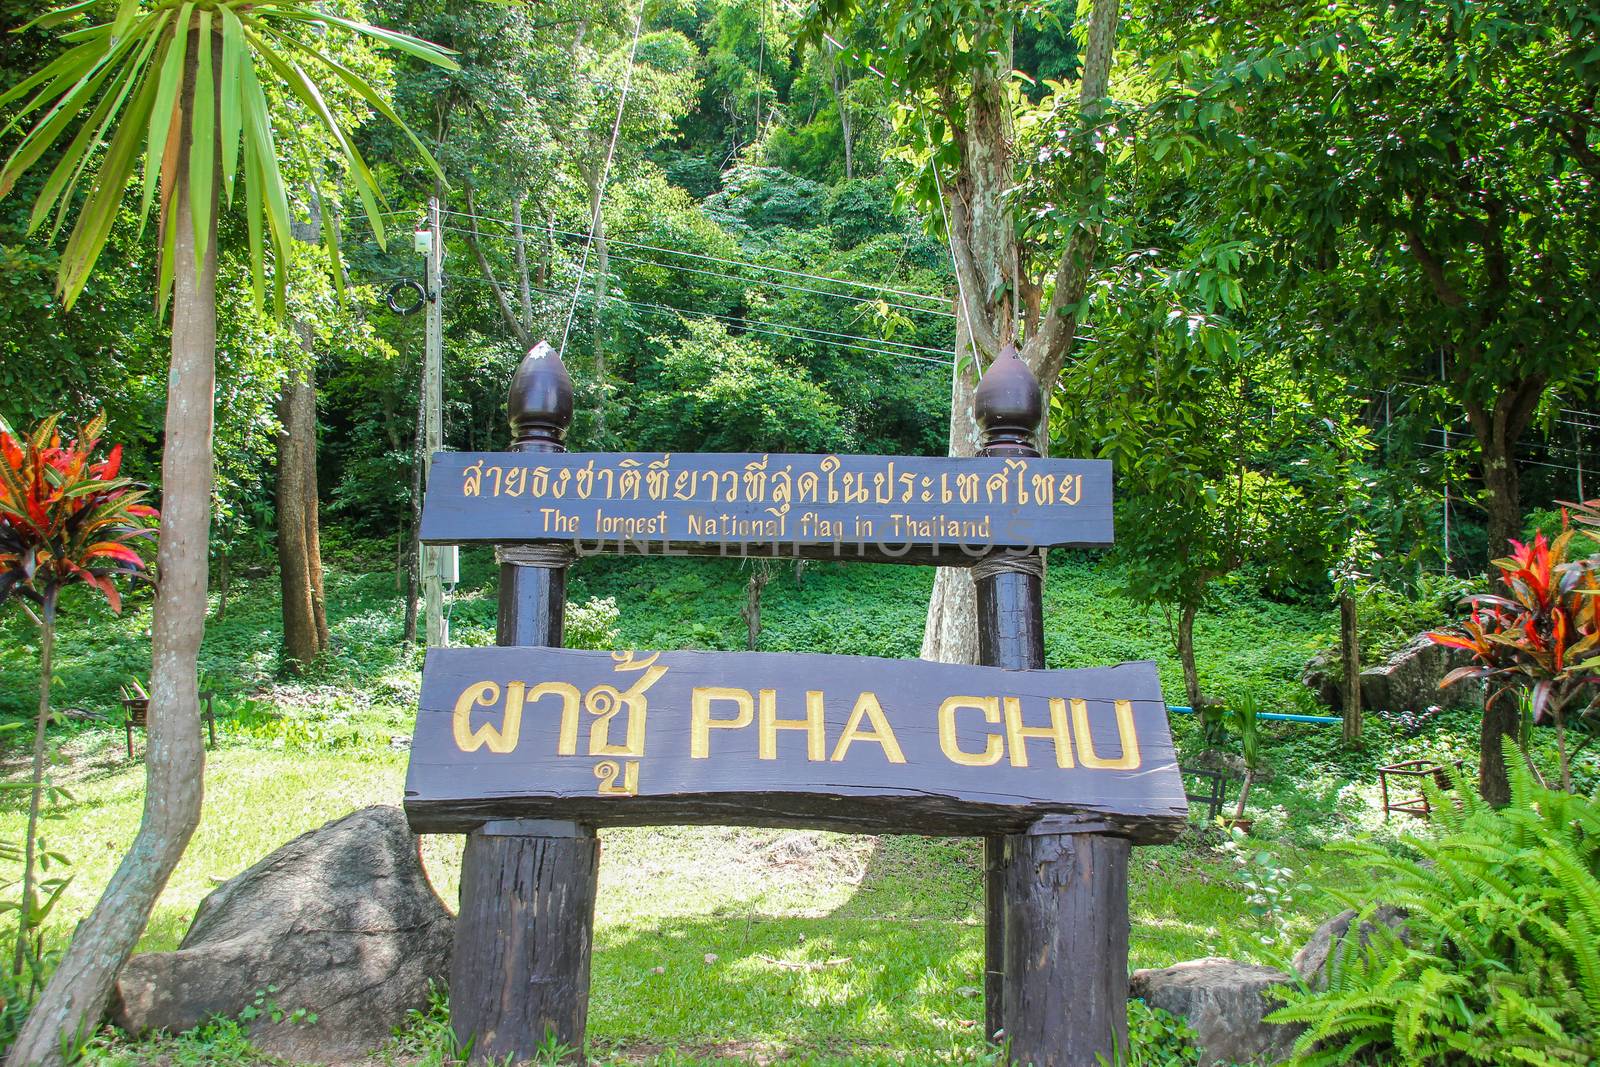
(712,944)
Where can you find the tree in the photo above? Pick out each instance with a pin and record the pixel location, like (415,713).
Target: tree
(63,519)
(1428,165)
(178,89)
(990,153)
(1194,415)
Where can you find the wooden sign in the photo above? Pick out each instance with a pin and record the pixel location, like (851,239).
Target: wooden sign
(878,508)
(779,739)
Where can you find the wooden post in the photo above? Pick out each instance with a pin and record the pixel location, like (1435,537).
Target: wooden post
(1055,898)
(525,931)
(433,418)
(1066,944)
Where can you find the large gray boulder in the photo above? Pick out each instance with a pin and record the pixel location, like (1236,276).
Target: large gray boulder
(1330,943)
(1226,1003)
(1407,681)
(341,920)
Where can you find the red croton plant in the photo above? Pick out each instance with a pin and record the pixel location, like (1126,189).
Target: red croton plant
(1542,637)
(64,519)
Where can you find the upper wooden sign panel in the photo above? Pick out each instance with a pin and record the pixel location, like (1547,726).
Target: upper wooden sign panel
(877,508)
(784,739)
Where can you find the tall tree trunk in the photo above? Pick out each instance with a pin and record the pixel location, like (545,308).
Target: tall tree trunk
(1350,657)
(47,644)
(74,1000)
(1191,675)
(305,622)
(1498,429)
(512,321)
(983,246)
(524,284)
(1502,719)
(602,272)
(950,633)
(837,84)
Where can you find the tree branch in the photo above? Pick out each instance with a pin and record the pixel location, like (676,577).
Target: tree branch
(506,312)
(1047,348)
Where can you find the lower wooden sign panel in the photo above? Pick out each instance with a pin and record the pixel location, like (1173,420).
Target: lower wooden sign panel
(779,739)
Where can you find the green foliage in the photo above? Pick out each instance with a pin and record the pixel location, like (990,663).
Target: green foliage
(715,392)
(1157,1038)
(65,519)
(1269,886)
(592,624)
(1499,961)
(127,77)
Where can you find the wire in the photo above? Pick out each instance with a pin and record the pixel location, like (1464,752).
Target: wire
(759,326)
(908,293)
(605,176)
(738,278)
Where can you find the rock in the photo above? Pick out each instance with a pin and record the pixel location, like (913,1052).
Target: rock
(1225,1002)
(1407,681)
(1321,676)
(341,920)
(1312,960)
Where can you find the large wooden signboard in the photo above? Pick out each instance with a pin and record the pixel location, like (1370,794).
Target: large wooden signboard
(780,739)
(880,508)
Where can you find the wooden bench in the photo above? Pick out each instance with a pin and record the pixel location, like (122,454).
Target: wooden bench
(137,711)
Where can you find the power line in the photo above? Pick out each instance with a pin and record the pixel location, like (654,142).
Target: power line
(757,326)
(871,286)
(738,278)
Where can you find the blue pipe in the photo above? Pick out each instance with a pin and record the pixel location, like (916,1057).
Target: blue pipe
(1281,716)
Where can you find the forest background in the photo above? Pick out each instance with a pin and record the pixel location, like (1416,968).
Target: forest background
(1339,332)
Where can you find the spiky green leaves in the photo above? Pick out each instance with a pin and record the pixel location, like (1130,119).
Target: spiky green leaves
(177,87)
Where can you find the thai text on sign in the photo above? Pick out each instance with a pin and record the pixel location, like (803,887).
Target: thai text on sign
(775,738)
(790,504)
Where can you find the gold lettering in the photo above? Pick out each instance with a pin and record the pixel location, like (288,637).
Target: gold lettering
(867,707)
(1017,734)
(1129,760)
(770,724)
(701,723)
(484,695)
(992,745)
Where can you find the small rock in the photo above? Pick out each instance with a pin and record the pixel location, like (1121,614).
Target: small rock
(1312,961)
(341,921)
(1226,1002)
(658,970)
(710,957)
(969,991)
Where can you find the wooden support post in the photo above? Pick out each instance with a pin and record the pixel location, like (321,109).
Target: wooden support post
(1055,904)
(525,932)
(1066,993)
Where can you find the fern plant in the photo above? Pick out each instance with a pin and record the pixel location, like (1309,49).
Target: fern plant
(1499,959)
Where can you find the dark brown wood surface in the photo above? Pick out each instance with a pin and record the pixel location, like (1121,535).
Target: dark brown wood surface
(611,739)
(915,509)
(1066,987)
(523,938)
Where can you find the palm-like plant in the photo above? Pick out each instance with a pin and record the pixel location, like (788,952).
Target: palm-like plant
(64,519)
(1543,634)
(172,97)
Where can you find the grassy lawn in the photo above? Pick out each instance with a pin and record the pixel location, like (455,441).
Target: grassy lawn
(712,944)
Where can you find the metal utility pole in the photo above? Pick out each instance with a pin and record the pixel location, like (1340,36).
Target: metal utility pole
(433,417)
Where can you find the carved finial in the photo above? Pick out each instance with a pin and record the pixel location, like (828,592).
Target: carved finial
(1007,406)
(540,404)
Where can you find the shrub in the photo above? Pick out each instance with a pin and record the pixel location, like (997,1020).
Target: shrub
(1498,962)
